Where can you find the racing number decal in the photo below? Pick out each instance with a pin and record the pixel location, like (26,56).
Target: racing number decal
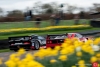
(32,44)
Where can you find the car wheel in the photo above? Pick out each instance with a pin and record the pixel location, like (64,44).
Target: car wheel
(16,50)
(52,47)
(37,45)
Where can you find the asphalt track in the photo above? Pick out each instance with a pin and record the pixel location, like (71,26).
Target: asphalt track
(5,55)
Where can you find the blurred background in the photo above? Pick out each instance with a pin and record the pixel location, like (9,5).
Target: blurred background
(24,12)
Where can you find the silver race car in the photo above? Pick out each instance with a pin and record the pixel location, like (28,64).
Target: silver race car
(27,42)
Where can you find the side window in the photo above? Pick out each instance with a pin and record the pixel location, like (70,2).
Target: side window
(76,35)
(79,36)
(34,37)
(27,38)
(39,37)
(21,39)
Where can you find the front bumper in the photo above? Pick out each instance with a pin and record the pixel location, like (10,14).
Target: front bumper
(52,45)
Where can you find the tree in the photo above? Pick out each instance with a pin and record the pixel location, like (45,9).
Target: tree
(15,13)
(49,11)
(47,8)
(1,11)
(81,9)
(50,8)
(37,9)
(71,8)
(82,14)
(95,8)
(56,7)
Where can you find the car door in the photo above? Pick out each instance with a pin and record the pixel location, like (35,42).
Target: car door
(42,40)
(33,38)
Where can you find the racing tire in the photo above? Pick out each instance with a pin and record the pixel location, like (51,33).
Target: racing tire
(52,47)
(16,50)
(27,49)
(37,45)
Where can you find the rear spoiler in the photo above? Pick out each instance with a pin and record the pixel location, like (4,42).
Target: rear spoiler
(56,34)
(9,38)
(48,36)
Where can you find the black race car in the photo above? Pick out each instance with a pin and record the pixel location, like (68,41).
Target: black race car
(27,42)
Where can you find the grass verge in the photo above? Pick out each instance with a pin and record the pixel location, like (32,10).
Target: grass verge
(5,36)
(4,50)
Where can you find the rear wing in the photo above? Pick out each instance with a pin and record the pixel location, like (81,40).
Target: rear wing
(19,37)
(54,36)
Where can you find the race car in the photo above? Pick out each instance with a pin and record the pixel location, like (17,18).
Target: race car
(57,40)
(78,36)
(27,42)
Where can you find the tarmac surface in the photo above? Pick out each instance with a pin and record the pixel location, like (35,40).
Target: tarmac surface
(5,55)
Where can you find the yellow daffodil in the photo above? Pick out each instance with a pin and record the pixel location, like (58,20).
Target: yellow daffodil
(16,59)
(90,41)
(93,59)
(29,56)
(57,48)
(54,53)
(79,54)
(76,44)
(34,64)
(98,59)
(91,52)
(46,28)
(21,65)
(82,65)
(0,61)
(98,55)
(10,63)
(98,65)
(21,51)
(63,57)
(64,45)
(64,51)
(53,61)
(73,66)
(96,41)
(81,62)
(13,56)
